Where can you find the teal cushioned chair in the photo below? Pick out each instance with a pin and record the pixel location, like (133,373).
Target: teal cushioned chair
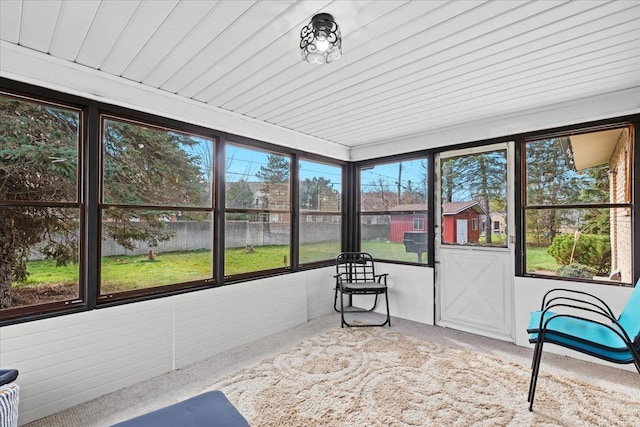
(583,322)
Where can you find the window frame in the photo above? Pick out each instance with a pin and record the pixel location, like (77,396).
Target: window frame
(74,304)
(89,190)
(110,297)
(260,211)
(337,216)
(633,193)
(360,214)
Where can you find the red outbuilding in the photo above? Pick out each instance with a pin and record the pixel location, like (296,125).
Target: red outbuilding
(461,222)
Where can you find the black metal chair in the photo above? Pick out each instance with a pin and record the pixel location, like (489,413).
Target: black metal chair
(583,322)
(356,275)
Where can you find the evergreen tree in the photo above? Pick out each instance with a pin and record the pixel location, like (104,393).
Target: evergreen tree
(275,182)
(39,157)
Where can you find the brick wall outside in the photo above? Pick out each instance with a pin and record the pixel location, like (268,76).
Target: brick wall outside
(621,217)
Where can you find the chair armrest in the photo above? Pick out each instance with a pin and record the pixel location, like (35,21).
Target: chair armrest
(588,300)
(379,278)
(618,329)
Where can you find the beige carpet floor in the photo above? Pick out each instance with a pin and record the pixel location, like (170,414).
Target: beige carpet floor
(181,384)
(378,377)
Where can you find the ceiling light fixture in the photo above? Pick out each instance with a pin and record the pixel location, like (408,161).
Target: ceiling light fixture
(320,40)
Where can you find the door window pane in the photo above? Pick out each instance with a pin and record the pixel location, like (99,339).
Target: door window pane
(474,191)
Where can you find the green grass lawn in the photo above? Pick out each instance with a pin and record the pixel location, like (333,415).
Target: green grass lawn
(129,272)
(539,260)
(390,250)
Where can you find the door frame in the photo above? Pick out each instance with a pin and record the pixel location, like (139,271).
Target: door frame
(509,237)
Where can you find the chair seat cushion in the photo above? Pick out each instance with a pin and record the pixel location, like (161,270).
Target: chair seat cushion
(582,336)
(207,409)
(371,287)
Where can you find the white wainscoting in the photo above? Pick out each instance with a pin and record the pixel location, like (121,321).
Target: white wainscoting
(67,360)
(410,293)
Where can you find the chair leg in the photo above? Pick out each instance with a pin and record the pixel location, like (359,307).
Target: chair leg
(537,357)
(342,321)
(345,323)
(533,364)
(386,299)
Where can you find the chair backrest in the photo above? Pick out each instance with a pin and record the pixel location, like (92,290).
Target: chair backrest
(355,267)
(630,317)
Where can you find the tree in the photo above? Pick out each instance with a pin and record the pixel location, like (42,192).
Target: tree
(38,162)
(317,194)
(240,196)
(550,181)
(39,157)
(596,221)
(275,178)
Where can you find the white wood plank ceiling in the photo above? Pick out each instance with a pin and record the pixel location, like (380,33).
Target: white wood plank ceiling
(408,67)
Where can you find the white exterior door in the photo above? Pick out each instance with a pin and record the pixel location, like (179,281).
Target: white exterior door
(461,231)
(474,273)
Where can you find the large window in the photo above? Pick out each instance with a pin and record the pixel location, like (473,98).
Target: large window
(257,211)
(393,200)
(157,208)
(40,206)
(320,211)
(577,205)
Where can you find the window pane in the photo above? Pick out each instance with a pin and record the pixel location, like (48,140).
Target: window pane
(256,179)
(388,237)
(256,242)
(579,169)
(474,195)
(320,237)
(143,165)
(320,188)
(38,152)
(42,258)
(585,243)
(399,185)
(151,248)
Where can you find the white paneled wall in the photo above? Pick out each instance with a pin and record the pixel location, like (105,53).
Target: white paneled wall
(67,360)
(410,293)
(320,291)
(212,321)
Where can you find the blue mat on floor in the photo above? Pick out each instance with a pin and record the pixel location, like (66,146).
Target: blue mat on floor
(207,409)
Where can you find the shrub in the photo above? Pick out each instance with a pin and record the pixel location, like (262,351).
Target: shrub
(574,270)
(592,251)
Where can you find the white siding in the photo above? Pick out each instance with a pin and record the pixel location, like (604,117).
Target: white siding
(410,293)
(320,291)
(212,321)
(67,360)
